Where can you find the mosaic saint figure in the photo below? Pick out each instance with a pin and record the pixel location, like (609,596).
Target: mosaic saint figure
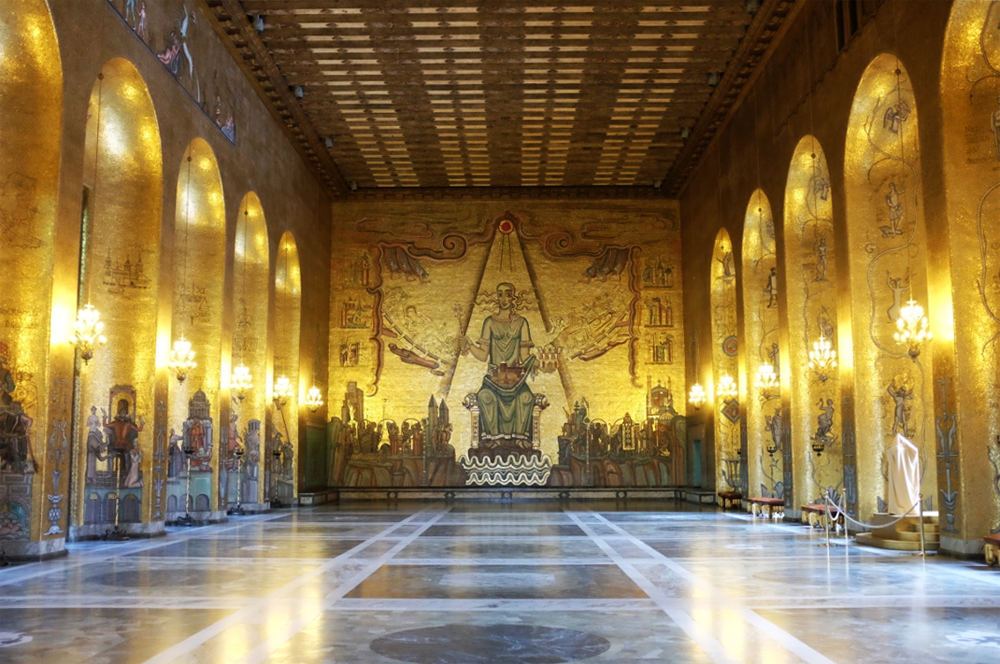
(505,400)
(123,432)
(900,395)
(822,253)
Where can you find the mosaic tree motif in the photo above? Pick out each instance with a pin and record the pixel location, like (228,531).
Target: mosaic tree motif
(729,455)
(818,454)
(888,267)
(765,421)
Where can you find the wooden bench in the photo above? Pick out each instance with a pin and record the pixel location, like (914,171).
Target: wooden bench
(731,499)
(992,549)
(773,505)
(815,515)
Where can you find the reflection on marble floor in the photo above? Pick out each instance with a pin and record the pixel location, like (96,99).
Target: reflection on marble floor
(504,583)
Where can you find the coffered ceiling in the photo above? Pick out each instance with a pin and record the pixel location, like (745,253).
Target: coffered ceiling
(388,95)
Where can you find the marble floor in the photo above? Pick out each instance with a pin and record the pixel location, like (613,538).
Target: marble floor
(503,583)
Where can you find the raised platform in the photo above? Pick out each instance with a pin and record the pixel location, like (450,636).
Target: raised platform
(903,535)
(328,495)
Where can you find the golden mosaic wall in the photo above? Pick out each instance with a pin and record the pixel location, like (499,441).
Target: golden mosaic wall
(730,470)
(287,329)
(810,262)
(199,262)
(123,169)
(598,283)
(764,418)
(887,255)
(251,276)
(30,119)
(968,420)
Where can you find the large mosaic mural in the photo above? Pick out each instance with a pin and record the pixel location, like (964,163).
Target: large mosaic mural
(492,346)
(180,37)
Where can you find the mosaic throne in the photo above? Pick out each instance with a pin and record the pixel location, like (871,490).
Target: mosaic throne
(493,463)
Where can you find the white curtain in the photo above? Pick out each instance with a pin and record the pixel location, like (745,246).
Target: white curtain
(904,477)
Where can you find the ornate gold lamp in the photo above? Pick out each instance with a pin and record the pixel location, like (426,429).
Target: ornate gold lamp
(181,359)
(767,380)
(314,400)
(282,391)
(88,332)
(696,396)
(912,328)
(727,387)
(822,358)
(181,356)
(241,382)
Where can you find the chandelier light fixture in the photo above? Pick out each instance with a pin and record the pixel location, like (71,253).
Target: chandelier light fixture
(727,387)
(282,391)
(88,328)
(181,355)
(181,359)
(314,400)
(822,358)
(241,382)
(696,396)
(283,386)
(767,380)
(912,328)
(88,332)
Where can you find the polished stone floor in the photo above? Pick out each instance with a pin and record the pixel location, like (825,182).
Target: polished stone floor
(503,583)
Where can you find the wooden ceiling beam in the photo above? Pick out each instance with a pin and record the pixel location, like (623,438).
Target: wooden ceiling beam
(446,7)
(310,140)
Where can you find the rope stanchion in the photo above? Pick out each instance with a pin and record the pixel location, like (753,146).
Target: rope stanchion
(870,526)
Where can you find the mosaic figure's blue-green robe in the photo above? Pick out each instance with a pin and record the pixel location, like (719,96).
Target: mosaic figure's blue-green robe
(505,410)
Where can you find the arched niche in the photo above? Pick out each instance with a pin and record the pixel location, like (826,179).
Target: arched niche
(725,362)
(887,258)
(251,286)
(31,101)
(198,283)
(970,101)
(287,330)
(765,447)
(123,180)
(814,398)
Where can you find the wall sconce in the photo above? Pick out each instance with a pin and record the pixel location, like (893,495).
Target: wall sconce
(697,396)
(299,92)
(88,332)
(313,399)
(912,328)
(822,358)
(240,382)
(767,380)
(258,24)
(713,79)
(727,387)
(282,392)
(181,359)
